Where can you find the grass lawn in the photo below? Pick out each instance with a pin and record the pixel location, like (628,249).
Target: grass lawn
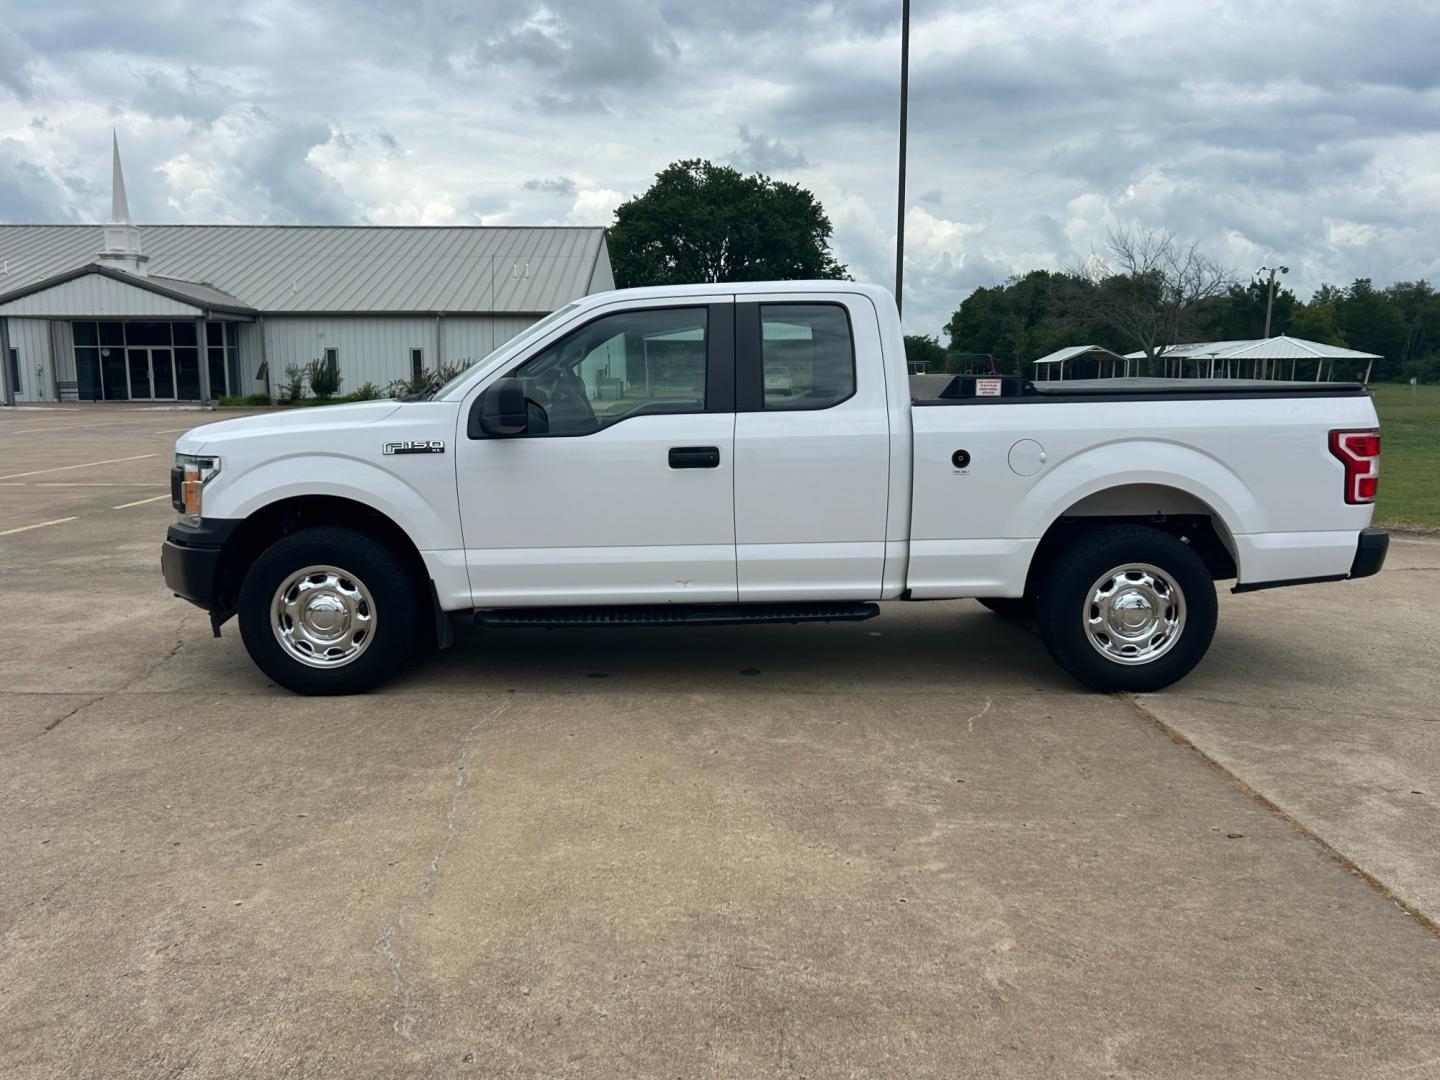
(1409,457)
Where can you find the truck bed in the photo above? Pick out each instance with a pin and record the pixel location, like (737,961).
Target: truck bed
(962,389)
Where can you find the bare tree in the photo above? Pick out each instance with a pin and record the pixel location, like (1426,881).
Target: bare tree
(1147,287)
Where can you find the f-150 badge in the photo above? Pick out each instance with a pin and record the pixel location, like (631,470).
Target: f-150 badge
(415,446)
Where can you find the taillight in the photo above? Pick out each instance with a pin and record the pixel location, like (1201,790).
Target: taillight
(1359,452)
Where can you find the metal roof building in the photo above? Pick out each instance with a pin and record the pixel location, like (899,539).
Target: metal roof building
(1267,357)
(1053,365)
(117,312)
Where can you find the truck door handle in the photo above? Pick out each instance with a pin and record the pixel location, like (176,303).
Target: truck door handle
(694,457)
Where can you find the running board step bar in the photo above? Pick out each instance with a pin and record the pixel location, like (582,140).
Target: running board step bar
(678,614)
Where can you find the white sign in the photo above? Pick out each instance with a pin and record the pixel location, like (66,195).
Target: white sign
(987,387)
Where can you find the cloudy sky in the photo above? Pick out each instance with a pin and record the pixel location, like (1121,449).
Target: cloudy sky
(1302,132)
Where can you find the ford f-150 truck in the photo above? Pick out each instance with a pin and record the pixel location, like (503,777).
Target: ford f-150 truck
(759,453)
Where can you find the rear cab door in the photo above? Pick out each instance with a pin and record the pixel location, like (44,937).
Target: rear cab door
(812,447)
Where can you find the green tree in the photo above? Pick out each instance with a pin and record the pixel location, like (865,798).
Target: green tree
(1419,306)
(1023,319)
(702,222)
(1149,287)
(1372,323)
(1316,321)
(926,349)
(1240,313)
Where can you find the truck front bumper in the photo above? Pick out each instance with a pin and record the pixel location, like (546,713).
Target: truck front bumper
(190,560)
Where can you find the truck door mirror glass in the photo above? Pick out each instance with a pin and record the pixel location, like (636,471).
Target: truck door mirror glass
(501,408)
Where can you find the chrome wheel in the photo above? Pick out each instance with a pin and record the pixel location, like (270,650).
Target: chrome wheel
(323,617)
(1134,614)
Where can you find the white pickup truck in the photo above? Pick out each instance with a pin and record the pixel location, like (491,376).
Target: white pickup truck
(759,453)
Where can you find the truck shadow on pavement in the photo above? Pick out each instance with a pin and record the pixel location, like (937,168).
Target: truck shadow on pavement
(922,648)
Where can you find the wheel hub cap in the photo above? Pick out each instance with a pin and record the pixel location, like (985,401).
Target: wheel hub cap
(1134,614)
(323,616)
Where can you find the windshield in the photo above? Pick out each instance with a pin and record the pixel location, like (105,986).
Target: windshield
(533,330)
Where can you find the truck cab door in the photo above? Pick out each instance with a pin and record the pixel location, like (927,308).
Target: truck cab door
(812,448)
(621,488)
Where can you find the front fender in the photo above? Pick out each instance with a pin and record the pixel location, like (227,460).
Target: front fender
(424,506)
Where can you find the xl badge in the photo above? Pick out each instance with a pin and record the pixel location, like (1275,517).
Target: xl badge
(415,446)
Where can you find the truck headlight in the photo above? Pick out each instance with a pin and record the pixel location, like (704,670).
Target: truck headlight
(187,483)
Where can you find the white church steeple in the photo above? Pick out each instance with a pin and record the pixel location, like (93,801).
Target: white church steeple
(122,240)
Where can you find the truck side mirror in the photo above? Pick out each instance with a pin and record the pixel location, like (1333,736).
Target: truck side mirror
(500,409)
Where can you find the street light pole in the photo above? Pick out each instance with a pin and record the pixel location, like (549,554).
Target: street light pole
(1270,294)
(904,119)
(1269,305)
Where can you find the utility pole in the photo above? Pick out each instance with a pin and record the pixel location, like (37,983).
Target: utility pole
(1270,294)
(904,119)
(1269,305)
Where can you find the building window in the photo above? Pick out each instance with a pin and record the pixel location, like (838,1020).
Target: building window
(119,361)
(332,357)
(417,363)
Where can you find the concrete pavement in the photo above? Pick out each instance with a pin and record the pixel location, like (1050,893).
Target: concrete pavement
(1326,700)
(909,847)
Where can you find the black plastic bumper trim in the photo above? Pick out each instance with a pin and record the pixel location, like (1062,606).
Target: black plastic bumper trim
(1255,586)
(1370,550)
(190,559)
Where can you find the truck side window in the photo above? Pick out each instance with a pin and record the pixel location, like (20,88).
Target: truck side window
(807,356)
(628,364)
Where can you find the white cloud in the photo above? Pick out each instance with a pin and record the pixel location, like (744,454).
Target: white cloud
(594,206)
(1036,125)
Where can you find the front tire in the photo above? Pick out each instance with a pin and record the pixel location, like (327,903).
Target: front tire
(1127,607)
(328,611)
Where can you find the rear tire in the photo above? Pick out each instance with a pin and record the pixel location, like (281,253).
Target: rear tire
(1012,607)
(328,611)
(1127,607)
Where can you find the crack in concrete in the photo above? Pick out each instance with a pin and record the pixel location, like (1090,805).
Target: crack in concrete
(1265,802)
(1261,706)
(407,994)
(149,670)
(53,724)
(970,724)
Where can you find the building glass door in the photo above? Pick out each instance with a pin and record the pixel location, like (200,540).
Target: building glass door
(162,373)
(148,361)
(138,363)
(152,374)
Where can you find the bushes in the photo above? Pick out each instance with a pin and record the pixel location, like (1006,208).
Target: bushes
(324,378)
(248,399)
(366,392)
(418,384)
(1426,369)
(293,388)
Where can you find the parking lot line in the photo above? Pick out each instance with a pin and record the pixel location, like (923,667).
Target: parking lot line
(37,525)
(68,426)
(141,502)
(82,465)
